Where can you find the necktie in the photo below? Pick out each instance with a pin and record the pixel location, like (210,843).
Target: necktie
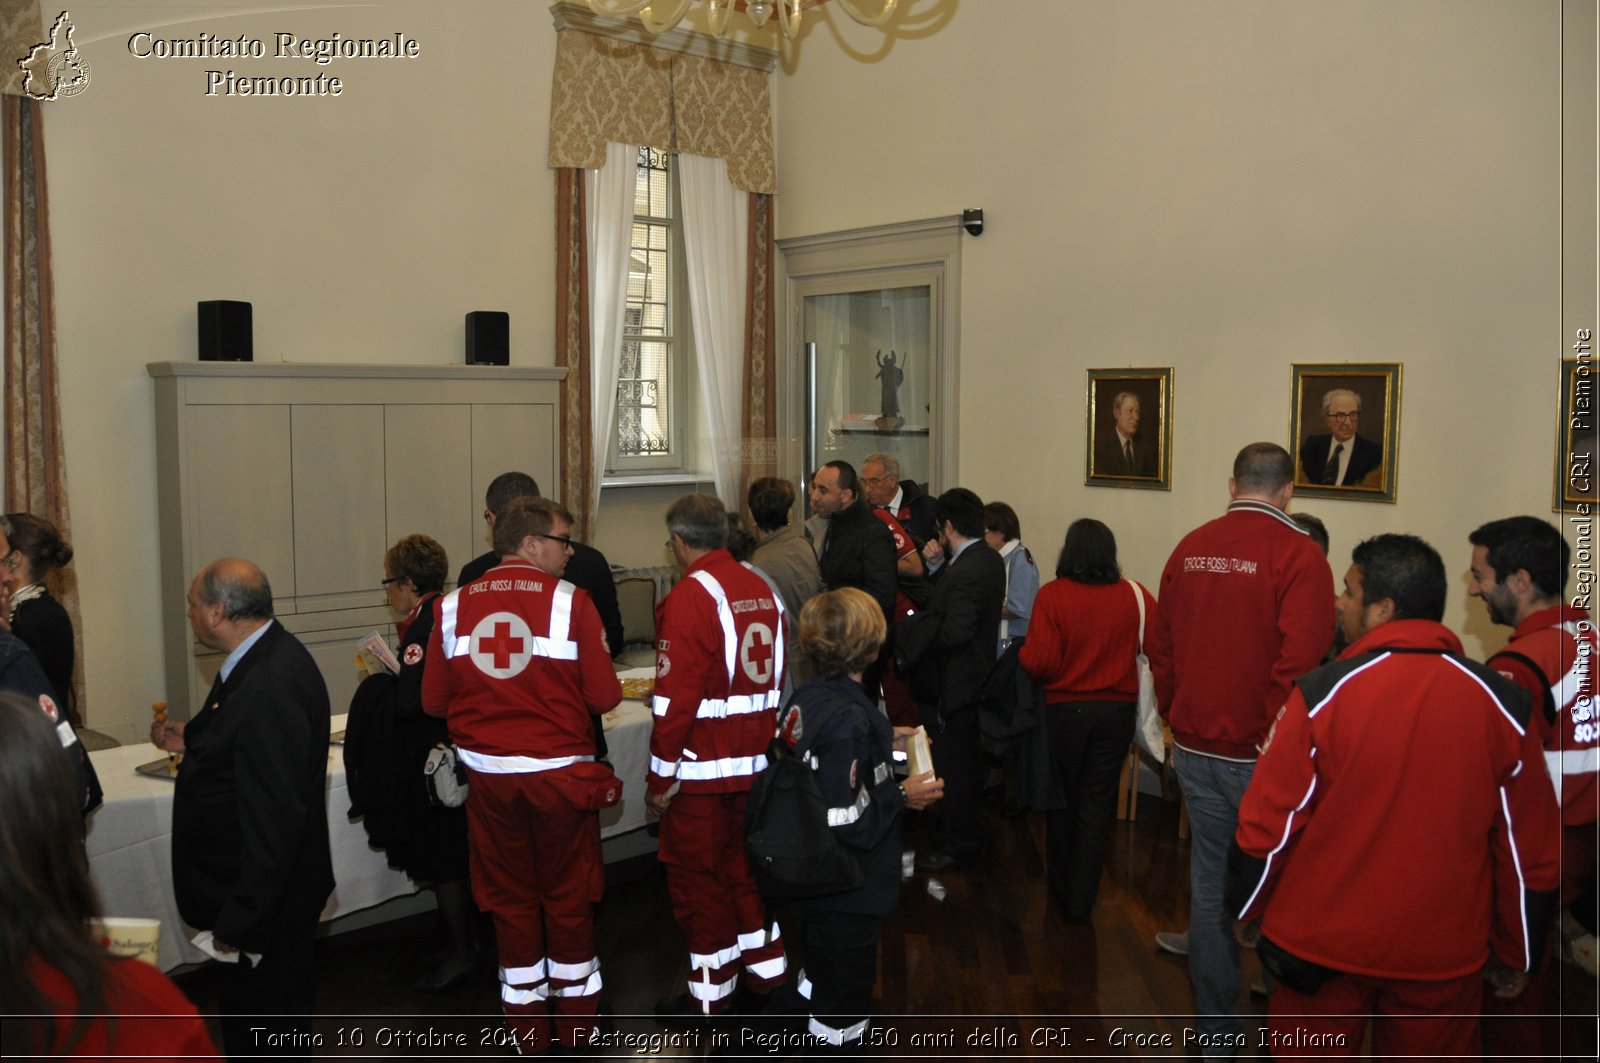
(1127,454)
(1330,471)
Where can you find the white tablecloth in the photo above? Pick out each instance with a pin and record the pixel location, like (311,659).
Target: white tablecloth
(130,836)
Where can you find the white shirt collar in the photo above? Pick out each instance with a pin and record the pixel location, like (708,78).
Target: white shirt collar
(240,650)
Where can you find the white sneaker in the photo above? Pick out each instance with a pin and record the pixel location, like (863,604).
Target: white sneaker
(1175,943)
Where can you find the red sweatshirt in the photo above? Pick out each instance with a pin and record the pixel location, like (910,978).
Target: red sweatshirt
(1082,639)
(1246,609)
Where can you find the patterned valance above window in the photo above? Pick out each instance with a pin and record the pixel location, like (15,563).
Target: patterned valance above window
(611,90)
(20,29)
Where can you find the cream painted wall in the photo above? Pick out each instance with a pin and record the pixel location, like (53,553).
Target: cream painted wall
(1227,188)
(1224,187)
(362,227)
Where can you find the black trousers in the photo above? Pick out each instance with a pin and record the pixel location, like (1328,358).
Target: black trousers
(1088,743)
(266,1010)
(841,967)
(958,760)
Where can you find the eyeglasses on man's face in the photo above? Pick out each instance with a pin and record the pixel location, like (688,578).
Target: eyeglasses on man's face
(567,542)
(1350,416)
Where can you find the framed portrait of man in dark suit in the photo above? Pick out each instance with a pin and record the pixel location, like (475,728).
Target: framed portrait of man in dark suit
(1344,431)
(1130,428)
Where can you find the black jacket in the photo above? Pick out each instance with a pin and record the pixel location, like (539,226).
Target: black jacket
(249,819)
(852,743)
(952,639)
(858,551)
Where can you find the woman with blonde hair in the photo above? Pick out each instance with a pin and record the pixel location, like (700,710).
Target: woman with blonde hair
(850,743)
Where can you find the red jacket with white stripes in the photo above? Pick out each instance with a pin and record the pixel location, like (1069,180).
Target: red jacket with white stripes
(1246,609)
(1552,655)
(719,670)
(517,662)
(1402,814)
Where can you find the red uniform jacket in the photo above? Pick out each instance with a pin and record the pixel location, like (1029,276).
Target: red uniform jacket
(1552,655)
(1246,609)
(719,670)
(1400,810)
(517,661)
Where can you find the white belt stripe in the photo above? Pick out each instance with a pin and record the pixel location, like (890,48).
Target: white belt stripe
(569,972)
(843,817)
(667,769)
(493,765)
(735,705)
(755,939)
(725,768)
(836,1037)
(714,960)
(523,975)
(709,991)
(769,969)
(803,987)
(538,994)
(582,989)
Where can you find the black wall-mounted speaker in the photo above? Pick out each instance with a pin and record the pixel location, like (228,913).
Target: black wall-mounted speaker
(488,337)
(225,331)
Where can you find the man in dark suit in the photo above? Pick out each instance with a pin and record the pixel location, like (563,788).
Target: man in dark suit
(587,568)
(250,859)
(1124,451)
(954,647)
(1340,457)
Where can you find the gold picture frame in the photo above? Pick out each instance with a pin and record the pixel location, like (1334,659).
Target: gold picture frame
(1344,430)
(1139,400)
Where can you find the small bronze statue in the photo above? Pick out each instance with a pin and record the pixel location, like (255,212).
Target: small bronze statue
(891,376)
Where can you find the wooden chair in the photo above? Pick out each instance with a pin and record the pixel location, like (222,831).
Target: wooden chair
(636,601)
(1128,787)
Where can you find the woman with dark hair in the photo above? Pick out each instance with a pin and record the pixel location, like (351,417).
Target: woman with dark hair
(36,618)
(87,1002)
(1081,646)
(388,741)
(850,744)
(1003,532)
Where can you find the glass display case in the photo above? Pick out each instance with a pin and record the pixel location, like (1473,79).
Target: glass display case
(869,375)
(872,328)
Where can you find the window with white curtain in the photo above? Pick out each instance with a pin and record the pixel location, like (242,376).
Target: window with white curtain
(655,377)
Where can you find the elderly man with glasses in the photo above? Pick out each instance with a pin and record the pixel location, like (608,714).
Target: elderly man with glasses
(1340,457)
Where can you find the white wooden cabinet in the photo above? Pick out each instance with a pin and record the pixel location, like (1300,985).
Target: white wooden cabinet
(313,471)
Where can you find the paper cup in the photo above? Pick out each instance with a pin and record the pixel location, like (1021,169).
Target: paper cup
(138,938)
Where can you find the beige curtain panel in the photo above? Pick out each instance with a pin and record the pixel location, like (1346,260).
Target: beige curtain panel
(610,91)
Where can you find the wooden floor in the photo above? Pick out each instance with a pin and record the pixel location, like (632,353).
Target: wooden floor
(974,965)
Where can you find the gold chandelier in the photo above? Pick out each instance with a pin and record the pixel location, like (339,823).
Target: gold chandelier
(659,16)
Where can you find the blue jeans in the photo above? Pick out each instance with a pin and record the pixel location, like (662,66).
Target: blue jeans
(1212,789)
